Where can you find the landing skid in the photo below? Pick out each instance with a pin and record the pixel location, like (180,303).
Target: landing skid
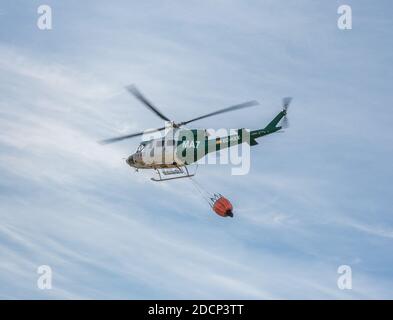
(178,173)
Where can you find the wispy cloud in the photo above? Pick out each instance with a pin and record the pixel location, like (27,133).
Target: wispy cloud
(317,196)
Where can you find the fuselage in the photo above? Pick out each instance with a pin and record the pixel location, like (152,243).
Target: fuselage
(183,147)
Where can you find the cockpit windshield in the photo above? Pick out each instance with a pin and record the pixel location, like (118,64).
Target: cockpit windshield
(140,147)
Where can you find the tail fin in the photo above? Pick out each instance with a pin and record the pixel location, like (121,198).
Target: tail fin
(273,124)
(270,128)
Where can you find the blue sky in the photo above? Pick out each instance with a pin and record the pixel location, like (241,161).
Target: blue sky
(317,196)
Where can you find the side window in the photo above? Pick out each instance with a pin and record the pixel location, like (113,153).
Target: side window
(160,143)
(170,143)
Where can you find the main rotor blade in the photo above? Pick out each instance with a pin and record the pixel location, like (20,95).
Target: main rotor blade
(128,136)
(232,108)
(137,94)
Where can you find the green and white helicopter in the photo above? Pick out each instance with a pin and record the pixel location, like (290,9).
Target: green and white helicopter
(180,147)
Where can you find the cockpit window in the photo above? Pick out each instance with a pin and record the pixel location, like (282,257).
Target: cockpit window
(140,148)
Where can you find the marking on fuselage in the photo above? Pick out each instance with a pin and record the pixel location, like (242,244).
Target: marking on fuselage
(191,144)
(226,139)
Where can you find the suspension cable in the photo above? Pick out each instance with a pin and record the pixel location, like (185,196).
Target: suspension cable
(204,193)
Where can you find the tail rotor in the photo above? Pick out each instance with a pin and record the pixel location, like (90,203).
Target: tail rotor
(285,105)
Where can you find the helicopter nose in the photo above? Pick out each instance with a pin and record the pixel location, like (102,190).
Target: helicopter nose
(130,161)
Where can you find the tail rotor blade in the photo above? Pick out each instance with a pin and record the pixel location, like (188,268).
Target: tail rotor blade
(286,102)
(285,123)
(285,105)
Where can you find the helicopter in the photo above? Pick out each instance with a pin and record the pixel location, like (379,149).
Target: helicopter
(171,155)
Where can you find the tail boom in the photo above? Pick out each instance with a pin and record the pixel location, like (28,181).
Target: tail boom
(270,128)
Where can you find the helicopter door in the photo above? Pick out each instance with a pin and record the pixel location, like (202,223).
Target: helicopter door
(148,154)
(158,154)
(169,151)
